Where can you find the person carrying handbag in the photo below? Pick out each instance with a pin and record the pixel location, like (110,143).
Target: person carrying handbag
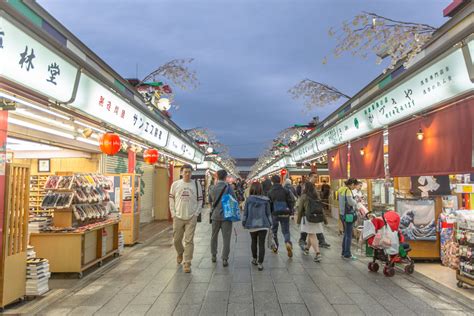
(217,218)
(348,216)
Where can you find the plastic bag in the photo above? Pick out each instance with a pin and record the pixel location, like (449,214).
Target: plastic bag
(230,207)
(382,239)
(368,229)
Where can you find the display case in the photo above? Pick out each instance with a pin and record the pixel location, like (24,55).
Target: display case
(37,192)
(130,207)
(125,192)
(85,228)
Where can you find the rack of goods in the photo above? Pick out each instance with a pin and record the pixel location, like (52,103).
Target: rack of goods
(84,228)
(125,193)
(37,192)
(15,234)
(465,238)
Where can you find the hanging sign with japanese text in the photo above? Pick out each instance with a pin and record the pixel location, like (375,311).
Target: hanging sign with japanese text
(307,150)
(29,63)
(198,157)
(177,146)
(98,101)
(441,81)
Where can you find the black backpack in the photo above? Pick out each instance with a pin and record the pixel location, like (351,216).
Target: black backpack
(314,211)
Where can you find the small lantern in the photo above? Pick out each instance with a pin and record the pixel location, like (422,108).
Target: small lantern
(150,156)
(109,143)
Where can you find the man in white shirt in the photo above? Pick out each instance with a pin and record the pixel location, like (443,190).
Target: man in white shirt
(185,205)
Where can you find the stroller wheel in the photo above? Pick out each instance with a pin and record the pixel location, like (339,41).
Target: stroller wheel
(389,271)
(459,284)
(409,269)
(373,266)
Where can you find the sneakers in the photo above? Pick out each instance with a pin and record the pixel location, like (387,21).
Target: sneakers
(214,259)
(350,258)
(289,248)
(225,263)
(317,258)
(302,245)
(324,245)
(179,259)
(305,251)
(275,249)
(187,267)
(254,261)
(260,267)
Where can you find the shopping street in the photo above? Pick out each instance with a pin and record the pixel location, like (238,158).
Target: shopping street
(148,281)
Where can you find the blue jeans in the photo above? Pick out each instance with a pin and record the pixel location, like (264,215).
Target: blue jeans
(285,228)
(347,239)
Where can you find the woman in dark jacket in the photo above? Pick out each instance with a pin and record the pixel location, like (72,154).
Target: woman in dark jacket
(257,219)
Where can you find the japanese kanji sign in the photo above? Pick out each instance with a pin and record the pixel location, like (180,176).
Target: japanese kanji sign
(31,64)
(98,101)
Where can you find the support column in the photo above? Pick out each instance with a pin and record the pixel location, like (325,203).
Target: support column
(3,161)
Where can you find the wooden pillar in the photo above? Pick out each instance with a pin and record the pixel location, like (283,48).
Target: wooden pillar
(3,158)
(132,161)
(171,179)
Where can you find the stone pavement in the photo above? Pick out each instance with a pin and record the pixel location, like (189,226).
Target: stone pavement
(148,281)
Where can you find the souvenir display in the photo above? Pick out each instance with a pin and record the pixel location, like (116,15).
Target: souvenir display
(465,239)
(52,182)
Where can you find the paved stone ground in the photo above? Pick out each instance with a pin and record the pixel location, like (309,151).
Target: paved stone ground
(148,281)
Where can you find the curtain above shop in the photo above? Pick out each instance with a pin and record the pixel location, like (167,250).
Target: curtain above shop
(445,148)
(366,157)
(337,162)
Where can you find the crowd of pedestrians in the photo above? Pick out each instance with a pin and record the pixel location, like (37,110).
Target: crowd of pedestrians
(267,207)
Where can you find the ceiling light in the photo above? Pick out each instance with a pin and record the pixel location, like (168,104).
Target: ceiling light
(24,112)
(88,141)
(34,106)
(15,121)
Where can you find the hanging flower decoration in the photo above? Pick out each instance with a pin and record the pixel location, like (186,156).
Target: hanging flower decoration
(109,143)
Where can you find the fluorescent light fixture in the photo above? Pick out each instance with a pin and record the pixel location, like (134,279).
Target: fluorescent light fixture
(34,106)
(15,121)
(88,141)
(23,145)
(24,112)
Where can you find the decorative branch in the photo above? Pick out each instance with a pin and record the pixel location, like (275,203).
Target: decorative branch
(178,72)
(369,32)
(316,94)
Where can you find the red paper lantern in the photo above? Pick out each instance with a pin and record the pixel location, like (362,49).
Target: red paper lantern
(283,172)
(109,143)
(150,156)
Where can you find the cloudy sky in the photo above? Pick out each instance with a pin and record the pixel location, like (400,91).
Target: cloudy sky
(247,53)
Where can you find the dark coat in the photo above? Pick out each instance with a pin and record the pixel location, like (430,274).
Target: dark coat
(279,194)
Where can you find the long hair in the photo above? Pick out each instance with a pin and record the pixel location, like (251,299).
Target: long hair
(256,189)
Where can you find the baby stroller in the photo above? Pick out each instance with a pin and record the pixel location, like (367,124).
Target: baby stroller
(384,238)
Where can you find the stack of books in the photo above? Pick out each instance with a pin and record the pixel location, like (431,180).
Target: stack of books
(37,276)
(121,243)
(37,223)
(30,252)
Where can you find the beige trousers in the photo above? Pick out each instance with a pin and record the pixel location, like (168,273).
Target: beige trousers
(184,228)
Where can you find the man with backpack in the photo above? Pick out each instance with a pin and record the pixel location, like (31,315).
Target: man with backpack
(185,201)
(217,217)
(282,205)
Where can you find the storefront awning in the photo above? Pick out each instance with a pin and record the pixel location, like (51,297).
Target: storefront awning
(366,157)
(445,148)
(337,162)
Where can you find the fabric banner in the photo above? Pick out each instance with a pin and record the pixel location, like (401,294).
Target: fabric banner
(366,158)
(446,147)
(430,186)
(337,162)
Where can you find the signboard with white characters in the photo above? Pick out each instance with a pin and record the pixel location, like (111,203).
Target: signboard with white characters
(441,81)
(29,63)
(177,146)
(98,101)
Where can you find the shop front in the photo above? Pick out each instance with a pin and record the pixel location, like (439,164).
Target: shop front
(75,205)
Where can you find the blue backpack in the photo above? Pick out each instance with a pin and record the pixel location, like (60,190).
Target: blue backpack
(230,208)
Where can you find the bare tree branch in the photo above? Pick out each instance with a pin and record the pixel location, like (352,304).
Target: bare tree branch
(316,94)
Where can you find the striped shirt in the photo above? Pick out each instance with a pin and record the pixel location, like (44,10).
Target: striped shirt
(185,202)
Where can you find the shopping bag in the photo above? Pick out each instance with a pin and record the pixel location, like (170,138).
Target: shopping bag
(368,229)
(230,207)
(393,249)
